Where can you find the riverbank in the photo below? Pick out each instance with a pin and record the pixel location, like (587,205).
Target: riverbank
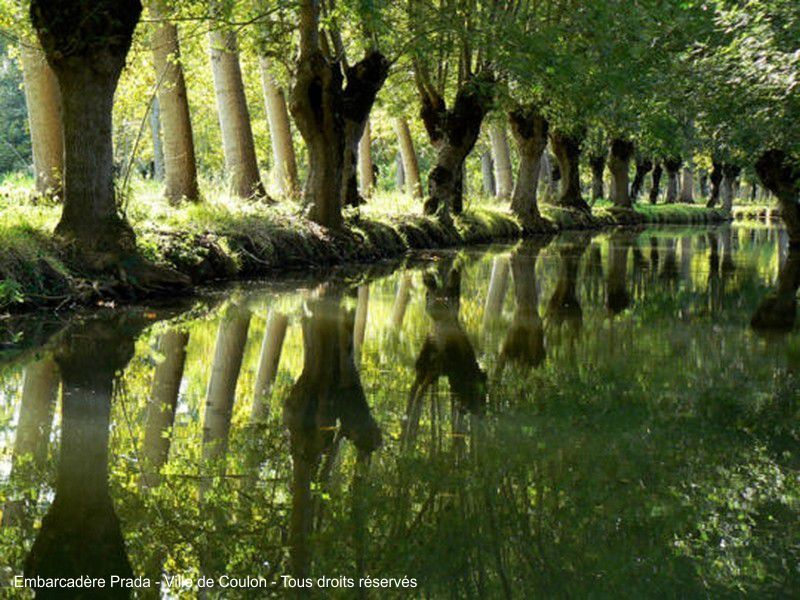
(218,241)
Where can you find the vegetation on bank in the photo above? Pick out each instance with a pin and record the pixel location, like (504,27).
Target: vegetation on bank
(227,239)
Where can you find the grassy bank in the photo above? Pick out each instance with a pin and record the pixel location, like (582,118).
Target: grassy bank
(224,239)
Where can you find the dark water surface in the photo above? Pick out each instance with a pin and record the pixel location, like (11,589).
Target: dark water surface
(612,414)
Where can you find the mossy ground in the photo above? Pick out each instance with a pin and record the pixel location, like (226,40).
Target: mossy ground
(223,238)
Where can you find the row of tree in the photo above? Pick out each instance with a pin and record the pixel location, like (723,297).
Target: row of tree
(632,86)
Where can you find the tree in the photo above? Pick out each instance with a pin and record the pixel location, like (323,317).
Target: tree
(331,102)
(180,165)
(283,155)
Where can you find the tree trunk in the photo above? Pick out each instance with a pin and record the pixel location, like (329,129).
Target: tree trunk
(687,187)
(43,99)
(331,117)
(729,174)
(39,391)
(598,166)
(502,160)
(716,180)
(409,156)
(268,362)
(365,172)
(401,301)
(155,134)
(496,294)
(283,156)
(180,164)
(643,167)
(453,133)
(487,173)
(529,129)
(360,325)
(703,183)
(781,176)
(673,166)
(163,402)
(619,165)
(87,73)
(228,355)
(567,149)
(399,174)
(234,119)
(654,189)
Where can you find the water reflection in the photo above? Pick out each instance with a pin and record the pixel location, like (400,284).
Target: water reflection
(477,421)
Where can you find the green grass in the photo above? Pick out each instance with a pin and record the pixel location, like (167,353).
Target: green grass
(223,237)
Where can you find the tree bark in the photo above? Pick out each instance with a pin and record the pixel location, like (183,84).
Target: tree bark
(39,391)
(228,355)
(716,180)
(729,174)
(643,167)
(180,164)
(234,118)
(163,402)
(155,135)
(487,173)
(501,156)
(283,155)
(529,129)
(409,155)
(87,56)
(673,166)
(687,186)
(654,189)
(268,362)
(780,174)
(453,133)
(598,166)
(567,149)
(365,173)
(43,99)
(399,174)
(619,164)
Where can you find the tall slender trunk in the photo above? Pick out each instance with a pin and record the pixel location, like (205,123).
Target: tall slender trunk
(716,180)
(656,184)
(567,149)
(283,156)
(409,156)
(228,355)
(399,174)
(453,133)
(155,135)
(619,165)
(234,118)
(43,99)
(687,186)
(401,301)
(87,73)
(39,391)
(163,402)
(673,166)
(365,173)
(598,166)
(729,174)
(268,362)
(502,160)
(487,173)
(781,176)
(180,164)
(496,294)
(529,129)
(643,167)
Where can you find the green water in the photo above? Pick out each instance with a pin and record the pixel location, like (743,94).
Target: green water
(593,415)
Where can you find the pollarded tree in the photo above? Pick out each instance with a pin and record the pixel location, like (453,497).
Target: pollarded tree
(750,100)
(331,101)
(86,44)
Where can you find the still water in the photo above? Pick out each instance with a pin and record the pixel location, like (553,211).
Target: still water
(607,414)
